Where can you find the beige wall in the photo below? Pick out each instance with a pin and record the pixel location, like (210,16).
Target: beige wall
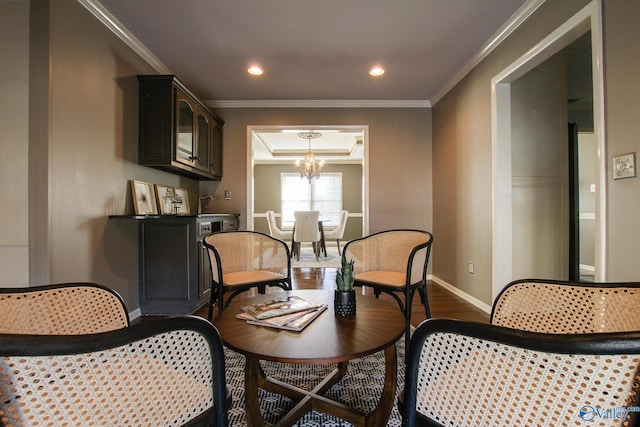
(14,168)
(399,159)
(83,160)
(622,86)
(462,149)
(462,159)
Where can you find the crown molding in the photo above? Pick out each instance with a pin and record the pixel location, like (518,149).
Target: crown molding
(119,30)
(499,36)
(319,104)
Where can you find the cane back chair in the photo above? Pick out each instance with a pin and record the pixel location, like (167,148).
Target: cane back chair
(462,373)
(563,307)
(244,260)
(162,372)
(394,262)
(61,309)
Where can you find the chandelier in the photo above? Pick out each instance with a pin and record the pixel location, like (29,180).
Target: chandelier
(311,167)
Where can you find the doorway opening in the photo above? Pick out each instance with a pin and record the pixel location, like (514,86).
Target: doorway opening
(273,152)
(511,184)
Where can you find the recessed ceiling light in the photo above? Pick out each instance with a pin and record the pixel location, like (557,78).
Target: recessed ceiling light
(376,71)
(255,70)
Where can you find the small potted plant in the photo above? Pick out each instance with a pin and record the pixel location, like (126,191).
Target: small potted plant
(344,303)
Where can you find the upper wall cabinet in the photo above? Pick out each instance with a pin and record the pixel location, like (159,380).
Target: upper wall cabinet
(177,132)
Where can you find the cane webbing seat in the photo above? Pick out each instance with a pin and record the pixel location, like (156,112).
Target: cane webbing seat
(471,374)
(61,309)
(163,372)
(244,260)
(394,262)
(563,307)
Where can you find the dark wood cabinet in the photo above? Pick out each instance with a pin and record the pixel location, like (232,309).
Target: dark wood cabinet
(177,132)
(168,265)
(174,266)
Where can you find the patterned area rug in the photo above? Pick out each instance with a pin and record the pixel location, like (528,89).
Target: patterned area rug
(308,259)
(360,388)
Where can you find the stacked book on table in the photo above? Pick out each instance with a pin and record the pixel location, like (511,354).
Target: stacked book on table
(291,313)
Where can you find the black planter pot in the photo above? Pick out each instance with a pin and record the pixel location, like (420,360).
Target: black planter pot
(344,303)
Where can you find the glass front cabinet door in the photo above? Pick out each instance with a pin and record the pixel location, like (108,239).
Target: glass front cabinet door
(185,147)
(203,143)
(177,131)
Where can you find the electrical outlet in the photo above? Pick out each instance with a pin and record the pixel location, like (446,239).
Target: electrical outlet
(227,195)
(470,267)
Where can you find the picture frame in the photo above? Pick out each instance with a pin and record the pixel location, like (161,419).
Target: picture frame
(144,198)
(164,207)
(184,208)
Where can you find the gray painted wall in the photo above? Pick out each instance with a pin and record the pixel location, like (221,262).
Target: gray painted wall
(14,162)
(462,149)
(622,89)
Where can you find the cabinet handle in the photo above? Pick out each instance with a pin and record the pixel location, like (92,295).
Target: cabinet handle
(194,157)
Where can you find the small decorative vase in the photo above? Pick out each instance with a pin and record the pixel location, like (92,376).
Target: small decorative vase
(344,303)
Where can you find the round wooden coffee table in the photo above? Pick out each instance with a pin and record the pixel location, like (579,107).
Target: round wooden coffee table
(376,326)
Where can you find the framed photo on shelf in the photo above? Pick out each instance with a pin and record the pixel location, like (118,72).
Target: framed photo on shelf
(144,198)
(165,207)
(184,207)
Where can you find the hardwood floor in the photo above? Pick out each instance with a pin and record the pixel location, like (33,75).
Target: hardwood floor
(441,302)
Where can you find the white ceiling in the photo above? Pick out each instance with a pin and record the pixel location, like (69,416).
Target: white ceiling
(314,52)
(334,145)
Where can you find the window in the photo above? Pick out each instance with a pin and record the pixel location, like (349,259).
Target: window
(323,194)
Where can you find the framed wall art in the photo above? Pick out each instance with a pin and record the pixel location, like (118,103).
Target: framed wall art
(165,194)
(184,207)
(144,198)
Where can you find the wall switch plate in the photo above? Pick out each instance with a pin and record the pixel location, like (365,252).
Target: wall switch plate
(227,195)
(624,166)
(470,267)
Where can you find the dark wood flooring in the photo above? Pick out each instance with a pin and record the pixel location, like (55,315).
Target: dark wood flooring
(442,303)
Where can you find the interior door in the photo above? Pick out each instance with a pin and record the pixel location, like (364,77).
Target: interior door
(574,204)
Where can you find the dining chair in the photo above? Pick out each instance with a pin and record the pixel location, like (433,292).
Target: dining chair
(338,232)
(242,260)
(61,309)
(461,373)
(565,307)
(306,230)
(394,262)
(158,372)
(276,231)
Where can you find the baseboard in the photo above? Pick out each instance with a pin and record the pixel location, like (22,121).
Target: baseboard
(465,296)
(135,314)
(588,268)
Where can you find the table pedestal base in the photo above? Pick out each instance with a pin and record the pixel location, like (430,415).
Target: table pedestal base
(314,400)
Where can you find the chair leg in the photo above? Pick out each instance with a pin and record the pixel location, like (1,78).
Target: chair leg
(424,299)
(295,250)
